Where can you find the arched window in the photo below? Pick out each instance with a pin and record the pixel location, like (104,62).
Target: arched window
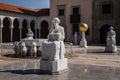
(6,30)
(24,29)
(44,29)
(16,30)
(32,25)
(103,33)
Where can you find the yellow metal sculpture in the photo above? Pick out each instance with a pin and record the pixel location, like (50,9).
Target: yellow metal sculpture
(83,27)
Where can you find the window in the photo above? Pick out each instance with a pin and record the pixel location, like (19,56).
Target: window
(76,10)
(75,28)
(61,12)
(106,9)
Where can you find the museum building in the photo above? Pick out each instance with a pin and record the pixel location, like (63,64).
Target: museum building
(98,14)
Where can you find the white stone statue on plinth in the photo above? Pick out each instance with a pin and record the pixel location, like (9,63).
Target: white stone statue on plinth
(111,41)
(53,50)
(75,38)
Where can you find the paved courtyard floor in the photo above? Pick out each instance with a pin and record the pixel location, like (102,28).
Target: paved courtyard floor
(84,64)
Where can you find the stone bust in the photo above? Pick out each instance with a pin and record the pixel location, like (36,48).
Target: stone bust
(111,41)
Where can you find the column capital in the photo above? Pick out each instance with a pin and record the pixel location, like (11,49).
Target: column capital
(11,25)
(1,21)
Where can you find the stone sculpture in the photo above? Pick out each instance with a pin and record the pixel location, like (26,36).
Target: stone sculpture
(33,50)
(20,49)
(56,41)
(83,29)
(30,34)
(53,50)
(111,41)
(75,38)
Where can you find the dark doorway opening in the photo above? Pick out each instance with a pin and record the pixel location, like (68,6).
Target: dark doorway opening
(24,29)
(44,29)
(16,30)
(32,25)
(103,33)
(6,30)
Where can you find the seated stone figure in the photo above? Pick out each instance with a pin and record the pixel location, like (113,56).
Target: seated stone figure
(111,41)
(54,48)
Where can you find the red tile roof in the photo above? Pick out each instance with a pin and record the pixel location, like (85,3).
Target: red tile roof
(43,12)
(23,10)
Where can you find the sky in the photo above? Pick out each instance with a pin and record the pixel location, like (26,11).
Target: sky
(35,4)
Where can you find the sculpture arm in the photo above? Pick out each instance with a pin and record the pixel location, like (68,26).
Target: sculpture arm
(62,34)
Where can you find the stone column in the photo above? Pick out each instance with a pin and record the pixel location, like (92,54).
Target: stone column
(11,34)
(40,33)
(28,24)
(20,33)
(1,27)
(35,33)
(0,34)
(20,27)
(11,30)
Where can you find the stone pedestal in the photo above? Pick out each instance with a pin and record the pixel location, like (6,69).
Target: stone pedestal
(83,44)
(54,67)
(111,49)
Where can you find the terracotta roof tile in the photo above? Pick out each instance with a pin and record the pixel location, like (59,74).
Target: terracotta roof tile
(43,12)
(23,10)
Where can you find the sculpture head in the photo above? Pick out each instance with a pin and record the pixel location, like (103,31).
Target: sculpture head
(34,44)
(56,22)
(23,44)
(111,28)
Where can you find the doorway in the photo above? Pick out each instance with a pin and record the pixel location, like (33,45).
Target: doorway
(44,29)
(103,33)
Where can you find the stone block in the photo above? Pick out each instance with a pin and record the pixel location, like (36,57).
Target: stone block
(54,67)
(110,49)
(50,50)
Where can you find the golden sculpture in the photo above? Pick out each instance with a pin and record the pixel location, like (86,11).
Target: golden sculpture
(83,27)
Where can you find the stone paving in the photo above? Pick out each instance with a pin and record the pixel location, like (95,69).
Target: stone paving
(85,64)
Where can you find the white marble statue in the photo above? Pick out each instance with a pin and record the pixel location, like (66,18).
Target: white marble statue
(53,50)
(20,49)
(23,49)
(75,38)
(111,41)
(55,44)
(33,50)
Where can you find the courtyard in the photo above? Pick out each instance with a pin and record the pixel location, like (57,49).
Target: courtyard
(84,64)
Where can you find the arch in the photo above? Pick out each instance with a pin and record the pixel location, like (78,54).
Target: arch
(103,33)
(24,28)
(44,29)
(16,30)
(32,26)
(6,29)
